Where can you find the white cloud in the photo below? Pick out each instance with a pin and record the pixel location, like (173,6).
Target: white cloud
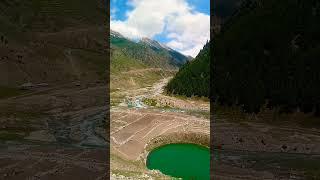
(187,30)
(193,51)
(175,44)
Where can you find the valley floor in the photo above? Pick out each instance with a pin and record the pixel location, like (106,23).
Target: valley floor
(57,132)
(254,149)
(243,148)
(135,124)
(60,131)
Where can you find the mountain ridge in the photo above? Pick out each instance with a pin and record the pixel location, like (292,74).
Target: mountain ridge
(148,51)
(154,43)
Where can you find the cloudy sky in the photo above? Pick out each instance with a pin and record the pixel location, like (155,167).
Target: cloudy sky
(183,25)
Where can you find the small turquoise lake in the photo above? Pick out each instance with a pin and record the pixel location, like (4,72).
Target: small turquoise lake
(186,161)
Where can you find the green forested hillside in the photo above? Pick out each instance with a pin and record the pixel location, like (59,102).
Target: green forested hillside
(269,53)
(193,78)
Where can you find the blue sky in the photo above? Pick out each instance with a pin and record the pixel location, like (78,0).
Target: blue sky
(183,25)
(122,7)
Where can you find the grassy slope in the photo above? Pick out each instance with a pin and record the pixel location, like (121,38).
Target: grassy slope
(127,56)
(130,73)
(121,76)
(122,63)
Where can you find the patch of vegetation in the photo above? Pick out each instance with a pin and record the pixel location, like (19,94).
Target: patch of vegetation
(198,113)
(150,102)
(121,64)
(116,99)
(137,167)
(179,137)
(192,98)
(126,81)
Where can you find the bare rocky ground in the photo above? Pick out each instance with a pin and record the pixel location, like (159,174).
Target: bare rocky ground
(55,133)
(52,162)
(259,150)
(133,129)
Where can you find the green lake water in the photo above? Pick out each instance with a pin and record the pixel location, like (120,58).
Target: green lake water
(186,161)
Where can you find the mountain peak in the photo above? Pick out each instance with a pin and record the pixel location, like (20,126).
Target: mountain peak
(154,43)
(150,42)
(115,34)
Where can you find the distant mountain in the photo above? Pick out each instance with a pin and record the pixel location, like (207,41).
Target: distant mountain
(154,44)
(177,58)
(115,34)
(147,51)
(193,77)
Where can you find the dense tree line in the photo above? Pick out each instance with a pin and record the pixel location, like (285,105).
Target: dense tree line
(193,77)
(269,53)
